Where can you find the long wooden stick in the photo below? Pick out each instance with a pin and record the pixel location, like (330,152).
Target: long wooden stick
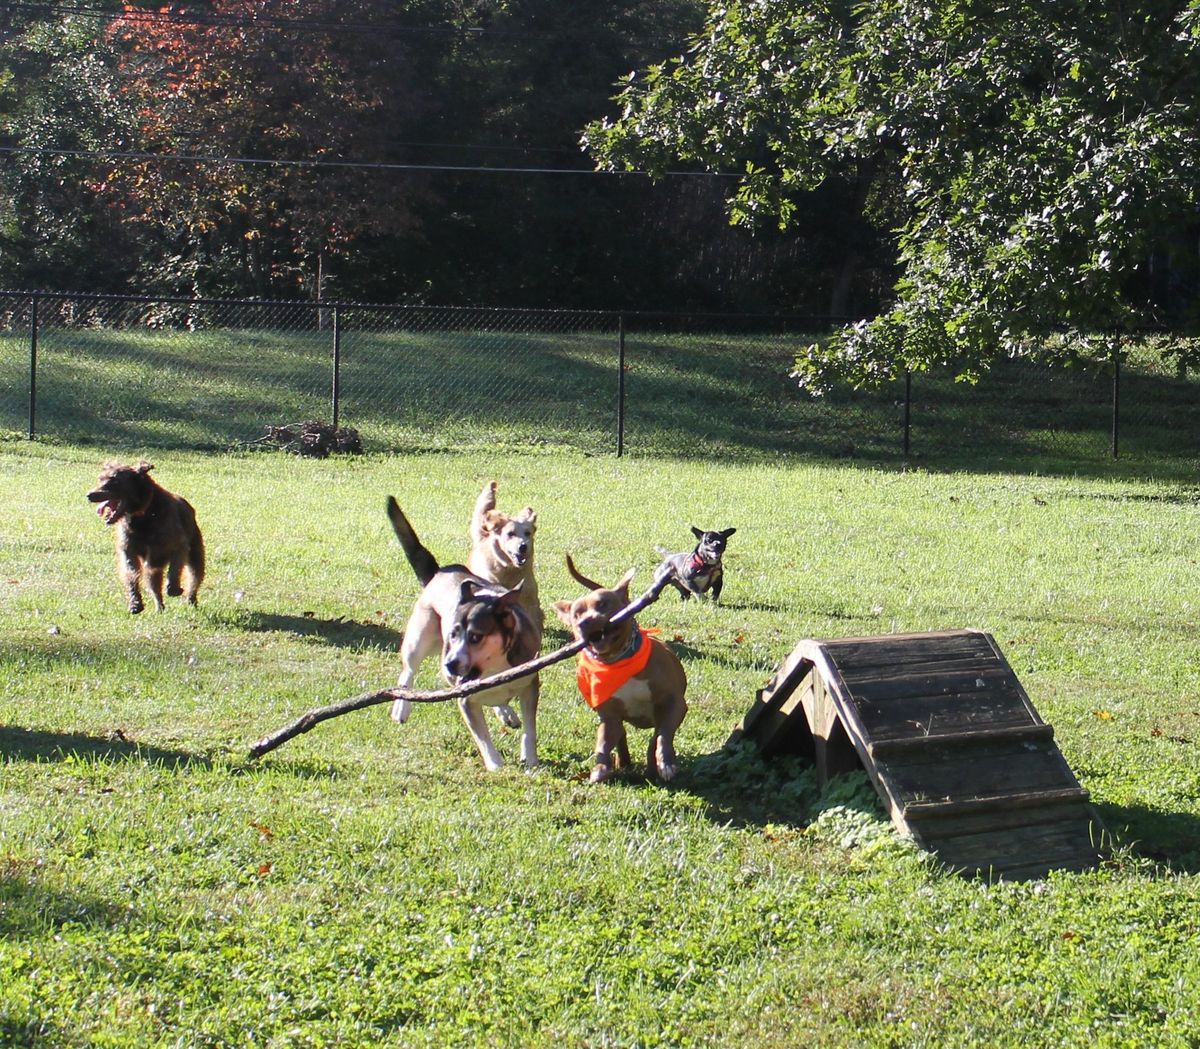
(386,695)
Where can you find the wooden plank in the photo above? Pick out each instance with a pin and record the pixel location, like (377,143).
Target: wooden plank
(920,641)
(782,726)
(791,733)
(984,736)
(855,676)
(790,673)
(1045,844)
(971,776)
(1070,834)
(834,751)
(859,656)
(1017,799)
(912,686)
(839,695)
(766,717)
(959,821)
(955,712)
(978,751)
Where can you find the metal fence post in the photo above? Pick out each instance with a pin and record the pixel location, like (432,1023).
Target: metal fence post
(337,364)
(1116,397)
(907,409)
(620,385)
(33,351)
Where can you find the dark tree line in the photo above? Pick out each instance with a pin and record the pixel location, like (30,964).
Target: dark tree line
(169,148)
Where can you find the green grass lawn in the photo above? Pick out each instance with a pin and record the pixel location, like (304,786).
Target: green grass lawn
(370,884)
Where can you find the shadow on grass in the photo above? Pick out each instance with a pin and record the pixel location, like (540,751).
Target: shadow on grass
(30,909)
(342,633)
(26,744)
(1168,838)
(33,1034)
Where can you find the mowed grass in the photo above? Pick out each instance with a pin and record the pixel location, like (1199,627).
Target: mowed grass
(369,884)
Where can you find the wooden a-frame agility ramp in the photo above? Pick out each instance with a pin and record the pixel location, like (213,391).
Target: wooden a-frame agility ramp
(949,738)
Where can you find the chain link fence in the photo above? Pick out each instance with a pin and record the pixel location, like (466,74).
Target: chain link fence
(131,372)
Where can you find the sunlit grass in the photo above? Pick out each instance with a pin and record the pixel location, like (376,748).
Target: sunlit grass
(371,884)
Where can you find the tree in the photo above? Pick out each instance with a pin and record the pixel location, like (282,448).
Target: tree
(1029,154)
(280,83)
(57,104)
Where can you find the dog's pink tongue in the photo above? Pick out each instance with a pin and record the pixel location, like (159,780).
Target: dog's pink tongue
(102,509)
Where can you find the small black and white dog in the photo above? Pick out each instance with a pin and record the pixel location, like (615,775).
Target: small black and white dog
(700,571)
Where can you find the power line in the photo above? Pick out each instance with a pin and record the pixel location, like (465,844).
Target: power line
(196,158)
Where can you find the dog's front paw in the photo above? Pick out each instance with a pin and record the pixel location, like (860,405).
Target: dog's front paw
(135,607)
(666,773)
(401,708)
(600,772)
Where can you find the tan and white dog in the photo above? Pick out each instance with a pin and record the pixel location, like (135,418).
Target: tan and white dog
(502,549)
(502,553)
(481,629)
(625,675)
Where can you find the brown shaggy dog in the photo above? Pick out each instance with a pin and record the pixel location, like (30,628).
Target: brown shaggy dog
(156,533)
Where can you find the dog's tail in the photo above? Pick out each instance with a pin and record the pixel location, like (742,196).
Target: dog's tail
(591,584)
(423,562)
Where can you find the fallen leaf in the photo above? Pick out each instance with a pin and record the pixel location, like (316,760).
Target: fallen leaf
(1103,715)
(739,639)
(264,868)
(266,832)
(309,615)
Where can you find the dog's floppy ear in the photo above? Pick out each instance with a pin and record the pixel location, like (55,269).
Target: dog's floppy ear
(144,467)
(726,533)
(470,590)
(563,609)
(697,532)
(528,514)
(467,591)
(493,521)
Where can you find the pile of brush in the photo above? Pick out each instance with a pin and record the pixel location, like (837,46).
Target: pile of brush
(315,439)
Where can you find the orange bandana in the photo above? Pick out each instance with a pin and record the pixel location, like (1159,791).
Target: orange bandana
(598,681)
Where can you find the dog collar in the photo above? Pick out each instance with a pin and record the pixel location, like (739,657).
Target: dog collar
(635,642)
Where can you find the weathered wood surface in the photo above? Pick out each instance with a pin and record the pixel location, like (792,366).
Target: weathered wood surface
(950,739)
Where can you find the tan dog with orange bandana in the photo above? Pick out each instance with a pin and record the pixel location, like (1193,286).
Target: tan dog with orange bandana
(625,675)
